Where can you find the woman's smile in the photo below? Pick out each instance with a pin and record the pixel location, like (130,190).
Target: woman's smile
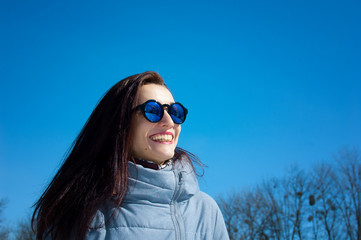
(163,137)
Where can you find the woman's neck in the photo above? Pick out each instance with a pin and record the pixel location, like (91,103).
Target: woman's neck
(152,165)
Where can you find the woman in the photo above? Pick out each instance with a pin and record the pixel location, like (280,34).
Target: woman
(124,177)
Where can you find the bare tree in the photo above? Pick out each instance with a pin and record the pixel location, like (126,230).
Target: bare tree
(4,231)
(254,214)
(324,214)
(246,215)
(349,185)
(23,231)
(296,188)
(232,216)
(272,199)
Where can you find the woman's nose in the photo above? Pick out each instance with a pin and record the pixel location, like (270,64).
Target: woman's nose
(167,120)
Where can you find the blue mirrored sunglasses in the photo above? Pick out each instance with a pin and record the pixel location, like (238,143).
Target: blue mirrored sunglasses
(153,111)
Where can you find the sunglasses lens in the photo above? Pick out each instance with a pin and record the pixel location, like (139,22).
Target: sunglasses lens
(177,113)
(153,112)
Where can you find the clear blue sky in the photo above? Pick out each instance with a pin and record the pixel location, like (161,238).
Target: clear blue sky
(267,83)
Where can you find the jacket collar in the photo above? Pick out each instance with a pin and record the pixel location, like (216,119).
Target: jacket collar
(159,186)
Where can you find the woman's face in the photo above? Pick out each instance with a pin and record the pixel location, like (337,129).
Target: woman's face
(154,141)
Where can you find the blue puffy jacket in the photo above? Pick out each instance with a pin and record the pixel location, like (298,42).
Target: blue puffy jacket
(161,204)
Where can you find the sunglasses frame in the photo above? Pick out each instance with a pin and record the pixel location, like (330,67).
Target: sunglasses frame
(141,107)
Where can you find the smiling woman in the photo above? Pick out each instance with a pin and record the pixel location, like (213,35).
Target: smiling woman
(125,177)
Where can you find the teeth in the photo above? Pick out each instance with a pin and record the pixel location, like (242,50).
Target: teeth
(162,138)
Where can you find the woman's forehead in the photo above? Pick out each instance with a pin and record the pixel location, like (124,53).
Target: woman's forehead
(154,91)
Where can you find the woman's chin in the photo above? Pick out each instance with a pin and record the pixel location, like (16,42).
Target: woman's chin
(161,154)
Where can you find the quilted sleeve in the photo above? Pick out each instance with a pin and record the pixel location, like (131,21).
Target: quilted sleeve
(220,230)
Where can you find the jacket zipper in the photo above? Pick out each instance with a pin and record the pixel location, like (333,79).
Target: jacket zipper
(176,217)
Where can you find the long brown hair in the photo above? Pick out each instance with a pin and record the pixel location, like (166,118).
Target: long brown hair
(95,169)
